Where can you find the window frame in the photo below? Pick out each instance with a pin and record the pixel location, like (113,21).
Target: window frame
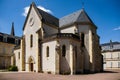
(31,40)
(63,51)
(47,51)
(18,55)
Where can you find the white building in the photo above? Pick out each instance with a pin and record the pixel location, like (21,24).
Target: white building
(111,55)
(68,45)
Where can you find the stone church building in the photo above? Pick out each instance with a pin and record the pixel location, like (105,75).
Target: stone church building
(68,45)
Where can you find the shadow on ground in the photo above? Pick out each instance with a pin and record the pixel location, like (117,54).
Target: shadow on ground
(109,72)
(105,71)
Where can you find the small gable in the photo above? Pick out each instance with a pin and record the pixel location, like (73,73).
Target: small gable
(83,17)
(76,17)
(42,15)
(32,16)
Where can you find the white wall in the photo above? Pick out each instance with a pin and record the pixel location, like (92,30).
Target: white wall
(31,30)
(111,59)
(48,63)
(112,64)
(65,61)
(28,31)
(70,29)
(17,53)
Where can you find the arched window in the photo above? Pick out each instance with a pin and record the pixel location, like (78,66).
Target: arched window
(63,50)
(75,52)
(18,55)
(31,40)
(76,31)
(82,39)
(47,51)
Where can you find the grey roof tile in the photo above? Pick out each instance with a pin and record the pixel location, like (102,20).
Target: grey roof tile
(79,16)
(106,46)
(10,38)
(48,18)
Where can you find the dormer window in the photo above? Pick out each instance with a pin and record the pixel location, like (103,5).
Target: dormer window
(76,31)
(18,55)
(63,51)
(82,36)
(47,51)
(1,38)
(5,39)
(16,41)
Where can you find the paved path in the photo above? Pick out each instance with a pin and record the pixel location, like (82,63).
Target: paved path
(109,75)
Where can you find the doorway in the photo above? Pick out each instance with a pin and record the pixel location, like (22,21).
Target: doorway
(31,64)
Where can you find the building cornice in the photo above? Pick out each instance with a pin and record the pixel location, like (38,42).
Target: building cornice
(110,50)
(61,36)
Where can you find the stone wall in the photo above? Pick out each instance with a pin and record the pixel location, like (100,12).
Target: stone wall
(6,51)
(111,59)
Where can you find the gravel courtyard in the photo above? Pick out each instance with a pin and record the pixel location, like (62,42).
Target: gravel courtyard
(107,75)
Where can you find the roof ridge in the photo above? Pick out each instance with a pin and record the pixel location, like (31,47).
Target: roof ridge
(69,19)
(83,10)
(71,14)
(80,13)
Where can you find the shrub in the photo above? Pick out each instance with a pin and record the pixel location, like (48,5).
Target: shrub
(65,73)
(13,68)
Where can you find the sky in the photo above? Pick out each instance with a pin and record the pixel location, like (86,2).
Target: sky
(104,13)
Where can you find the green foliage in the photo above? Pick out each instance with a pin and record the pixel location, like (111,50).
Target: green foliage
(13,68)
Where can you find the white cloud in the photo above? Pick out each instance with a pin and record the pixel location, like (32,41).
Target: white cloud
(26,9)
(44,9)
(118,28)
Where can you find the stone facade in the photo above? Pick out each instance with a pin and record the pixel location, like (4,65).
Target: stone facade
(59,46)
(111,55)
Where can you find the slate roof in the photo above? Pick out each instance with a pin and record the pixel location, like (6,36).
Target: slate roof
(9,38)
(48,18)
(78,16)
(110,46)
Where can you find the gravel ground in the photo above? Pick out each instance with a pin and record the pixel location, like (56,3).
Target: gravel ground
(107,75)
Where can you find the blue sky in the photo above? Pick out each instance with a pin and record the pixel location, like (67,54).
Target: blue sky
(104,13)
